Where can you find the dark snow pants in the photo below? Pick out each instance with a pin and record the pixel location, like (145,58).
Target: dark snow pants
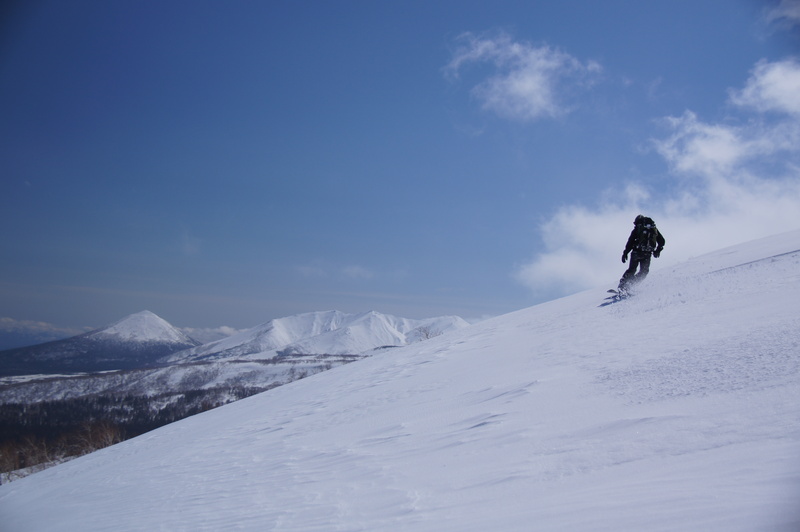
(640,260)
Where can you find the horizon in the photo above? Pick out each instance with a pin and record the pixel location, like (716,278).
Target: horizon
(223,166)
(47,333)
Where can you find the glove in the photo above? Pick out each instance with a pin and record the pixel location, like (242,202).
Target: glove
(656,253)
(624,258)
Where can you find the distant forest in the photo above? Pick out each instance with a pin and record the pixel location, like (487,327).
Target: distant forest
(37,435)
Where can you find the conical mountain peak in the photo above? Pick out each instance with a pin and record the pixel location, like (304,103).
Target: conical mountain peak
(144,326)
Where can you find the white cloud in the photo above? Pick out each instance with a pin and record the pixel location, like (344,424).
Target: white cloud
(733,183)
(695,147)
(529,82)
(772,87)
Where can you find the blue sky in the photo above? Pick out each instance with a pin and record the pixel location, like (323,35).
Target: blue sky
(225,163)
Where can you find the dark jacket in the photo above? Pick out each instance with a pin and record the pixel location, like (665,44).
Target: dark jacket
(645,238)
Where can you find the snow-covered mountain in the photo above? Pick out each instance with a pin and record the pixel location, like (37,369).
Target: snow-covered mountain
(674,410)
(142,327)
(135,341)
(279,351)
(315,333)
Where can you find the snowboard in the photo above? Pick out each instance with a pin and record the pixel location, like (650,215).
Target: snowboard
(615,297)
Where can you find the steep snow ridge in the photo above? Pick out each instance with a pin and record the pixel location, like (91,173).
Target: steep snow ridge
(372,329)
(290,329)
(361,333)
(142,327)
(269,336)
(326,332)
(673,410)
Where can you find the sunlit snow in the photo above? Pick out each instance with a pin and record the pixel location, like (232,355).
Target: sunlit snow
(674,410)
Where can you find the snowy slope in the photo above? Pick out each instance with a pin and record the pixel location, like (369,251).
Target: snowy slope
(313,333)
(674,410)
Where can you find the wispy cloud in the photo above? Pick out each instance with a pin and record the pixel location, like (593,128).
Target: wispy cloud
(772,87)
(38,327)
(321,270)
(357,272)
(16,333)
(311,271)
(786,13)
(190,245)
(730,182)
(528,82)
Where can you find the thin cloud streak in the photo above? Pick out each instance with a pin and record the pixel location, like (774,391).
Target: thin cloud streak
(357,272)
(786,13)
(30,327)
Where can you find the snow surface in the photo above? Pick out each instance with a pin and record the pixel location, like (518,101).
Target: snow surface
(674,410)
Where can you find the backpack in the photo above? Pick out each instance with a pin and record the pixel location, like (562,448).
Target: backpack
(646,235)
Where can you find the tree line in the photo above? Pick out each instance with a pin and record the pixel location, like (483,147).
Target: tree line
(34,436)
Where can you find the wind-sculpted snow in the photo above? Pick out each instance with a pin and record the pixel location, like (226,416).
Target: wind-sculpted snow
(674,410)
(718,367)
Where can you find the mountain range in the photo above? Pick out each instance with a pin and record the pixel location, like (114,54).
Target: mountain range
(143,354)
(675,409)
(314,333)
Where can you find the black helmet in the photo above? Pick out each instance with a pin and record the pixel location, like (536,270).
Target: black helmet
(644,221)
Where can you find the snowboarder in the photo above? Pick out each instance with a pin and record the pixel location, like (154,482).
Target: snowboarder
(645,240)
